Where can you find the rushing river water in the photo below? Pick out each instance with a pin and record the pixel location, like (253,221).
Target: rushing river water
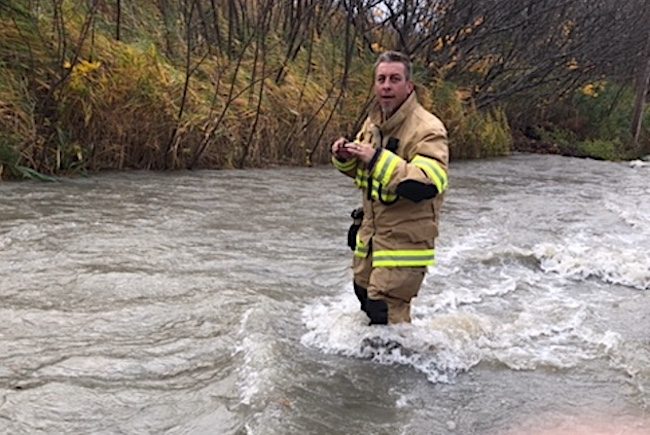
(220,302)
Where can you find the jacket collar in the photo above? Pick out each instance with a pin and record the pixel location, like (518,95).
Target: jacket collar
(396,118)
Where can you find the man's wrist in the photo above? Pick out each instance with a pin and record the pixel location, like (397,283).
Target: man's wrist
(373,160)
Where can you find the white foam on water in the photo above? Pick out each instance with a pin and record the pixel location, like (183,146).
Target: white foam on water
(256,372)
(440,349)
(114,368)
(638,164)
(613,264)
(636,217)
(552,332)
(432,301)
(21,233)
(461,247)
(5,241)
(446,339)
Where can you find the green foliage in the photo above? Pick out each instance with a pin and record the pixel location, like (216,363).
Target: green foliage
(472,133)
(600,149)
(8,157)
(31,174)
(491,130)
(7,6)
(17,125)
(562,139)
(446,103)
(606,112)
(567,142)
(594,122)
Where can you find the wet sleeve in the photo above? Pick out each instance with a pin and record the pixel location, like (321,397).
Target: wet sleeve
(347,167)
(423,175)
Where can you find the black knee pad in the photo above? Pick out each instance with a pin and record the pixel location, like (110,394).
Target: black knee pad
(377,310)
(362,295)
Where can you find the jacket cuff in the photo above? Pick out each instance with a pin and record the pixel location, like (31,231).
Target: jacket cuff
(373,161)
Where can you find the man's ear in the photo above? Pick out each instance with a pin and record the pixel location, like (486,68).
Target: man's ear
(410,86)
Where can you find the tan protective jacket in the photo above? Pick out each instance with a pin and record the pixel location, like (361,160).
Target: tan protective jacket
(398,231)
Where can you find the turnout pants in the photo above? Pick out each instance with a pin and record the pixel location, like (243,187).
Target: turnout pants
(392,286)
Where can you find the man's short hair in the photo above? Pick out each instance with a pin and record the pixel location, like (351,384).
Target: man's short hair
(396,56)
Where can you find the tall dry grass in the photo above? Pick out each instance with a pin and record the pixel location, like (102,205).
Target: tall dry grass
(74,99)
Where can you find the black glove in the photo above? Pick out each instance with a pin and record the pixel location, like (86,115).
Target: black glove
(357,216)
(352,235)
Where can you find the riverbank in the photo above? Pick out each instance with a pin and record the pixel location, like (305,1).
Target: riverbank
(157,85)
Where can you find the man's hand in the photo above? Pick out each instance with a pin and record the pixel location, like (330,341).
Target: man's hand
(362,151)
(339,149)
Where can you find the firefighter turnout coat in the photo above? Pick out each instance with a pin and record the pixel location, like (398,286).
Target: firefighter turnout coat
(412,152)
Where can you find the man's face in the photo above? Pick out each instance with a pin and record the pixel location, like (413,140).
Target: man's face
(391,86)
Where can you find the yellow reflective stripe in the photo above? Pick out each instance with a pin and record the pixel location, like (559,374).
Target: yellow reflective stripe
(360,254)
(385,166)
(361,180)
(433,170)
(404,258)
(344,166)
(378,191)
(360,250)
(387,196)
(374,193)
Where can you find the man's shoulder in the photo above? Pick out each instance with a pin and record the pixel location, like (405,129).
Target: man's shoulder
(427,121)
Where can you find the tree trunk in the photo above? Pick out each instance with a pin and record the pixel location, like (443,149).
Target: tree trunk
(643,81)
(170,17)
(118,20)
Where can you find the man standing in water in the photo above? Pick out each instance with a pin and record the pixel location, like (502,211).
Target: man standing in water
(399,160)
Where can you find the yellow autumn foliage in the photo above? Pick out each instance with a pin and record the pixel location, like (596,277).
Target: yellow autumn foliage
(593,89)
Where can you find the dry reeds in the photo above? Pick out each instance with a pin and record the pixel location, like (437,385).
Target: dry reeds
(191,84)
